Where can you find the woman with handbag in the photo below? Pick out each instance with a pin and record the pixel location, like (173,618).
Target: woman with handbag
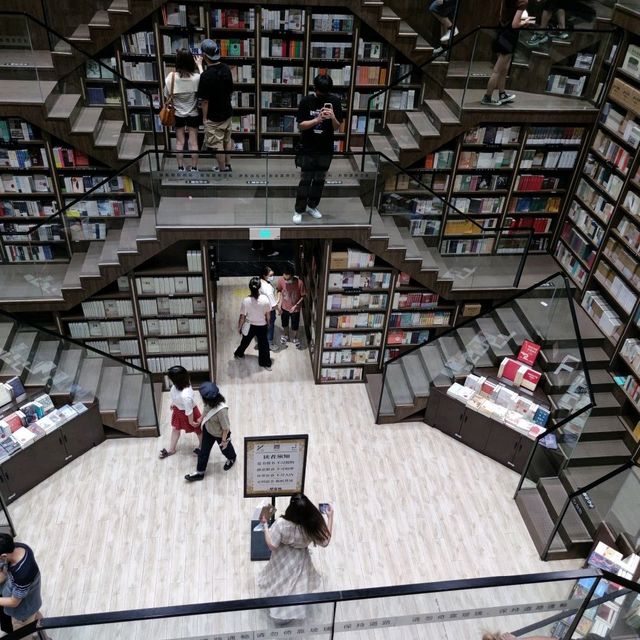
(215,428)
(180,91)
(255,315)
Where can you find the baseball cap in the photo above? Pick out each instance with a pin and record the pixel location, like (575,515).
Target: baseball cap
(210,49)
(209,390)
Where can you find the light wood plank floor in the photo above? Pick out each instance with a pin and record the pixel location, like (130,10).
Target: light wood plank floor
(119,529)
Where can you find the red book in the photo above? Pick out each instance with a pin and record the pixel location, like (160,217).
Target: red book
(509,369)
(529,352)
(530,379)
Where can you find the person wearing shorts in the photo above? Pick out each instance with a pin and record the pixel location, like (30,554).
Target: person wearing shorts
(559,7)
(184,84)
(512,18)
(291,293)
(444,12)
(214,91)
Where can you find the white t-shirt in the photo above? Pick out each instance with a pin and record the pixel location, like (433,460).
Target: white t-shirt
(185,92)
(267,289)
(184,399)
(255,310)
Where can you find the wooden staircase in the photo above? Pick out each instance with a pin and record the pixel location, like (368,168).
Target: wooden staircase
(71,373)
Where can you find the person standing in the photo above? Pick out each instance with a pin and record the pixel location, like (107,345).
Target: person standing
(291,293)
(255,313)
(512,19)
(185,415)
(214,91)
(444,11)
(319,115)
(183,83)
(20,575)
(216,428)
(267,289)
(559,7)
(290,569)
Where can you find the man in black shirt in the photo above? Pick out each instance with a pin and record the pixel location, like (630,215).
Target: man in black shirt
(319,115)
(214,92)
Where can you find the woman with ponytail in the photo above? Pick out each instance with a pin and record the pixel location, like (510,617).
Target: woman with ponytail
(255,314)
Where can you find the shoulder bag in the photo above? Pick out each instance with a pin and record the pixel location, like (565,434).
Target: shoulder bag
(168,111)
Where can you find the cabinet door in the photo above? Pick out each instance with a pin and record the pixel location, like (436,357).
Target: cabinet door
(5,487)
(431,412)
(521,454)
(83,433)
(475,430)
(502,444)
(449,415)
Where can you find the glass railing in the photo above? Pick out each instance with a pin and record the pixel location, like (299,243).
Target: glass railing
(558,604)
(80,370)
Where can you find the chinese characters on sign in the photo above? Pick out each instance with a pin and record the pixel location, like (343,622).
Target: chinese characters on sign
(275,466)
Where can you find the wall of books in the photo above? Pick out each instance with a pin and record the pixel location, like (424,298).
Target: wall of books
(506,178)
(274,55)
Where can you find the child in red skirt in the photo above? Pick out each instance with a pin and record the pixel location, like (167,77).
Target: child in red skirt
(185,415)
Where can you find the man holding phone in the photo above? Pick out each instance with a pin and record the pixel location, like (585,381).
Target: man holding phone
(319,115)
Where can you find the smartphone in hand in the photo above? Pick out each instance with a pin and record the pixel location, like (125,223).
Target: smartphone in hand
(324,508)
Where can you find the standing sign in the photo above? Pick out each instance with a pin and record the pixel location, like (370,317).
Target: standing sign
(274,465)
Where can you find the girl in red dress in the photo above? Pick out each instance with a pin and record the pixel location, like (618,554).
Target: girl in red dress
(185,415)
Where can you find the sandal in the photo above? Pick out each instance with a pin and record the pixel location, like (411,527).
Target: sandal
(165,454)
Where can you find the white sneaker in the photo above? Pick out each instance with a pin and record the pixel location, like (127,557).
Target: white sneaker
(297,218)
(314,213)
(447,36)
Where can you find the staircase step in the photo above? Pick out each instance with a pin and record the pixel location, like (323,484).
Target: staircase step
(434,365)
(595,356)
(606,403)
(412,250)
(382,145)
(398,387)
(109,133)
(18,356)
(130,394)
(387,407)
(44,363)
(454,356)
(431,259)
(109,253)
(7,329)
(130,146)
(601,379)
(388,15)
(395,239)
(64,105)
(88,379)
(603,428)
(512,326)
(416,249)
(100,20)
(26,91)
(119,6)
(67,371)
(24,58)
(109,389)
(72,275)
(373,3)
(403,137)
(90,265)
(147,226)
(87,120)
(421,125)
(540,525)
(475,347)
(599,452)
(63,48)
(422,45)
(405,31)
(146,412)
(572,530)
(442,113)
(378,229)
(414,373)
(492,333)
(81,33)
(128,233)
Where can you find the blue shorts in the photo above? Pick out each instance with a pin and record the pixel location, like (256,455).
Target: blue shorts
(443,8)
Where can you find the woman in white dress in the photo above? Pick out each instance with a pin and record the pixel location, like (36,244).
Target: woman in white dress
(290,570)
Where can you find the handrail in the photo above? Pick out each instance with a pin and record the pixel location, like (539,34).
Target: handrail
(115,72)
(157,613)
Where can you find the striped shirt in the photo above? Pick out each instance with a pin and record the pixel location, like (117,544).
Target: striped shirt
(23,574)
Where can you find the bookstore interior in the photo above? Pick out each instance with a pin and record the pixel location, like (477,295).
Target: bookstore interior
(474,274)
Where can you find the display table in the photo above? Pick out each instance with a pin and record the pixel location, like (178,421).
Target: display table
(27,468)
(495,439)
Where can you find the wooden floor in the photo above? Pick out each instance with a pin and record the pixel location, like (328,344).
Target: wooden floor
(121,529)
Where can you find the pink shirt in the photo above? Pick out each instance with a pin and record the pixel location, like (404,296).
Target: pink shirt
(291,292)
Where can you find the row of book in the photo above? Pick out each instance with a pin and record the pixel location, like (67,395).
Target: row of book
(483,182)
(360,280)
(622,123)
(464,227)
(37,183)
(103,95)
(532,158)
(339,340)
(401,181)
(539,225)
(144,122)
(176,345)
(102,209)
(107,308)
(140,43)
(343,374)
(359,124)
(191,363)
(336,301)
(479,205)
(467,246)
(19,232)
(420,319)
(95,71)
(233,19)
(281,48)
(398,203)
(417,336)
(64,157)
(169,285)
(243,73)
(616,286)
(341,76)
(632,203)
(348,356)
(626,263)
(537,182)
(136,98)
(194,260)
(151,308)
(487,159)
(630,351)
(244,123)
(80,230)
(415,300)
(540,136)
(176,14)
(603,314)
(275,123)
(492,135)
(370,74)
(439,159)
(613,152)
(352,259)
(372,50)
(604,176)
(12,391)
(630,233)
(631,386)
(587,224)
(40,253)
(247,99)
(82,184)
(595,201)
(334,23)
(538,204)
(361,101)
(116,347)
(17,130)
(34,158)
(172,43)
(571,264)
(26,208)
(355,321)
(283,19)
(278,99)
(402,100)
(109,329)
(425,227)
(565,85)
(290,75)
(276,144)
(139,71)
(174,326)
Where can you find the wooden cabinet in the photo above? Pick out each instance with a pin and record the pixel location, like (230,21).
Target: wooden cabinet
(494,439)
(43,458)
